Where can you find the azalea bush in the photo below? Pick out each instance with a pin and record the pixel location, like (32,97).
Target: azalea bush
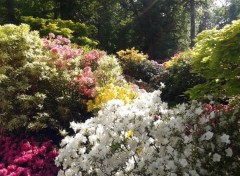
(147,138)
(108,71)
(24,155)
(138,69)
(131,55)
(177,78)
(46,83)
(109,92)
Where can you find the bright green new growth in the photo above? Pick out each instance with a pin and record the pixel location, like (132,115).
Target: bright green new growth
(217,58)
(76,31)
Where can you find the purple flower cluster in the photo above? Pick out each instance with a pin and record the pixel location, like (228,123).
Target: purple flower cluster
(24,156)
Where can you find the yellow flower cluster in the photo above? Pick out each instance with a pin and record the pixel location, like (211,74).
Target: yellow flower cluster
(110,92)
(131,55)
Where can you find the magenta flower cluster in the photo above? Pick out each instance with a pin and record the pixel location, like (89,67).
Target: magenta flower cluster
(24,156)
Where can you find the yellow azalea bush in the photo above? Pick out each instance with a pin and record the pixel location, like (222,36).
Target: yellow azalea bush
(185,56)
(110,92)
(131,55)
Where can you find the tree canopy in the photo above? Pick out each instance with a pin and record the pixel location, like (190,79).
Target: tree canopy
(159,28)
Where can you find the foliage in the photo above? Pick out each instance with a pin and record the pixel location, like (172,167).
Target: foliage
(24,155)
(76,31)
(23,73)
(45,83)
(131,55)
(110,92)
(147,138)
(216,58)
(108,71)
(137,65)
(177,78)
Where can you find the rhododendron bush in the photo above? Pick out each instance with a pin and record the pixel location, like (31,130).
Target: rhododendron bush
(147,138)
(23,155)
(45,83)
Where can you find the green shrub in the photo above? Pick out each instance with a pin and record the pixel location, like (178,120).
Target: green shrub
(108,71)
(78,32)
(138,69)
(217,58)
(177,78)
(34,93)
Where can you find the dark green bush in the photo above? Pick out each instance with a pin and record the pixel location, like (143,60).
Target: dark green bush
(177,78)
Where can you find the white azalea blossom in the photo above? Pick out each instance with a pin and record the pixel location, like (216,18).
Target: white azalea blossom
(216,157)
(144,138)
(225,139)
(229,152)
(207,136)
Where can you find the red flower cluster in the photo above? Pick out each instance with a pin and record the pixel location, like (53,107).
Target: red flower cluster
(216,108)
(211,108)
(26,157)
(86,82)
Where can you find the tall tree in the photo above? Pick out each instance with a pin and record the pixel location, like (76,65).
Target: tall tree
(192,11)
(10,4)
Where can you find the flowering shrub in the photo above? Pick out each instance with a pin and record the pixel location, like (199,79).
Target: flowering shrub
(25,156)
(110,92)
(108,71)
(86,82)
(45,83)
(70,56)
(177,78)
(131,55)
(147,138)
(138,69)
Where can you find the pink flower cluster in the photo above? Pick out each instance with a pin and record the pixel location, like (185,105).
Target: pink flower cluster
(86,82)
(91,59)
(24,156)
(63,52)
(61,49)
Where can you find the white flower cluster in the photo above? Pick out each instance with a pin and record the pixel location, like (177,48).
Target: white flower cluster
(145,138)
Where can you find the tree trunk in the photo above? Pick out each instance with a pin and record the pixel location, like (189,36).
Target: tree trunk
(10,11)
(192,11)
(56,9)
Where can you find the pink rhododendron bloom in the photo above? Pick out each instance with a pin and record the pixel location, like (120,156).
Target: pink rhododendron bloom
(51,35)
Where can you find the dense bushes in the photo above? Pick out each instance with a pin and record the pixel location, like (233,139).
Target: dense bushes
(175,74)
(76,31)
(147,138)
(46,83)
(217,58)
(24,155)
(177,78)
